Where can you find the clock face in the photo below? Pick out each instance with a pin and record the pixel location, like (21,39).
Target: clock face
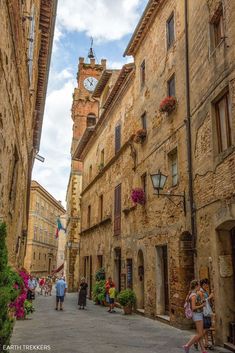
(90,83)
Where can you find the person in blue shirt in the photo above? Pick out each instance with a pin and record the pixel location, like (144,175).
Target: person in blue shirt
(61,289)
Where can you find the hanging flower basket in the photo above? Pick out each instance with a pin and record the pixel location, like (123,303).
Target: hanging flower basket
(140,136)
(138,196)
(168,105)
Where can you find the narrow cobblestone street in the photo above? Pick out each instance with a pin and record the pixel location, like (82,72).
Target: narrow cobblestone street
(95,331)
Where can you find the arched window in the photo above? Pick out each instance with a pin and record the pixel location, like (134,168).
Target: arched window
(91,120)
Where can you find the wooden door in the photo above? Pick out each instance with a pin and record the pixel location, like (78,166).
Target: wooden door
(166,279)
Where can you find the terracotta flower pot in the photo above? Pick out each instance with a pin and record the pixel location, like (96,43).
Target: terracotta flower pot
(127,310)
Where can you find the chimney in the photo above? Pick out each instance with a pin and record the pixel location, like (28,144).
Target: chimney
(103,63)
(81,60)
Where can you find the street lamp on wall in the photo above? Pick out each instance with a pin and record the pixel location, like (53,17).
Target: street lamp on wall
(159,181)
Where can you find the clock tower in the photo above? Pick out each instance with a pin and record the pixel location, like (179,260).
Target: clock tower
(85,111)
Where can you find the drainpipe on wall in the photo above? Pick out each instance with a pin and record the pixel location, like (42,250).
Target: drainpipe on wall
(189,138)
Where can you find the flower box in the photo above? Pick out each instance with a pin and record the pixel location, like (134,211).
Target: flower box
(168,105)
(138,196)
(140,136)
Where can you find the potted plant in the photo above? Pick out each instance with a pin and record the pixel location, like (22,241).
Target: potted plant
(140,136)
(127,299)
(98,294)
(138,196)
(168,105)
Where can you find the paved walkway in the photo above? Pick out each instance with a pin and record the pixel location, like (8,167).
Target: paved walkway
(94,331)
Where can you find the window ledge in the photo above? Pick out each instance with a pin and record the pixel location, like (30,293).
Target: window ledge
(127,210)
(223,155)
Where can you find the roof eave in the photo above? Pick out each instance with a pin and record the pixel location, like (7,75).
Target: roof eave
(140,28)
(41,99)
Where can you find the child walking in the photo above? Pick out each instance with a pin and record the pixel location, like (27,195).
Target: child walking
(112,292)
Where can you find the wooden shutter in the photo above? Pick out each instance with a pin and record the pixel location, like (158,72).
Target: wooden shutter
(117,210)
(170,31)
(117,138)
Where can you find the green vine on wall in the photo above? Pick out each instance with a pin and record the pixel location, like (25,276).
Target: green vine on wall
(10,281)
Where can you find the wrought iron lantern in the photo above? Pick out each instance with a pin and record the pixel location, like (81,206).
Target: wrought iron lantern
(159,181)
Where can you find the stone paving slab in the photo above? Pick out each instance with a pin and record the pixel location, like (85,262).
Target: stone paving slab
(94,331)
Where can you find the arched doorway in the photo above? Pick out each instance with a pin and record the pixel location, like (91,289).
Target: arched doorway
(225,308)
(140,280)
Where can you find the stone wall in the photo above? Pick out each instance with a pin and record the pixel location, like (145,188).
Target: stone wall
(19,125)
(213,172)
(145,230)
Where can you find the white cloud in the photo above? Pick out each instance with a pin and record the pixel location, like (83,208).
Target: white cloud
(56,139)
(103,20)
(119,64)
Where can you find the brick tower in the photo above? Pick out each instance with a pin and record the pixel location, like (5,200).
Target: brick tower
(84,114)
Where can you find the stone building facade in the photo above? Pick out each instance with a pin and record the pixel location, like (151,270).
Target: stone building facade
(42,244)
(84,114)
(158,247)
(27,29)
(212,57)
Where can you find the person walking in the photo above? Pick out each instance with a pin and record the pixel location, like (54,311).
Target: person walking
(82,294)
(50,284)
(207,310)
(41,285)
(32,284)
(197,304)
(112,293)
(108,284)
(61,289)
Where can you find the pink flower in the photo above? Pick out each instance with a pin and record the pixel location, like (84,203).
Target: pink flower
(138,196)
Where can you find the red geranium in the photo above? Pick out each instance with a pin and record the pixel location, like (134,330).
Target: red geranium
(168,105)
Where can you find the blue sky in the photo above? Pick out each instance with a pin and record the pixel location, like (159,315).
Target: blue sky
(110,23)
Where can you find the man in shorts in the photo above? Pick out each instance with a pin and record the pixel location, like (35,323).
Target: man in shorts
(61,288)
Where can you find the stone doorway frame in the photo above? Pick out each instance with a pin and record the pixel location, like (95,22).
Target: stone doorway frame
(161,309)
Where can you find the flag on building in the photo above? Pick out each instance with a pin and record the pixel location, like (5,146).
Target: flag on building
(59,227)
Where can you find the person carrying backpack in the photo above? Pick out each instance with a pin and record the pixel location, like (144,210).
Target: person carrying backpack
(194,309)
(207,310)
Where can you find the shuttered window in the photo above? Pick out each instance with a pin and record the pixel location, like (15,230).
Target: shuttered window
(171,86)
(170,31)
(117,210)
(117,138)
